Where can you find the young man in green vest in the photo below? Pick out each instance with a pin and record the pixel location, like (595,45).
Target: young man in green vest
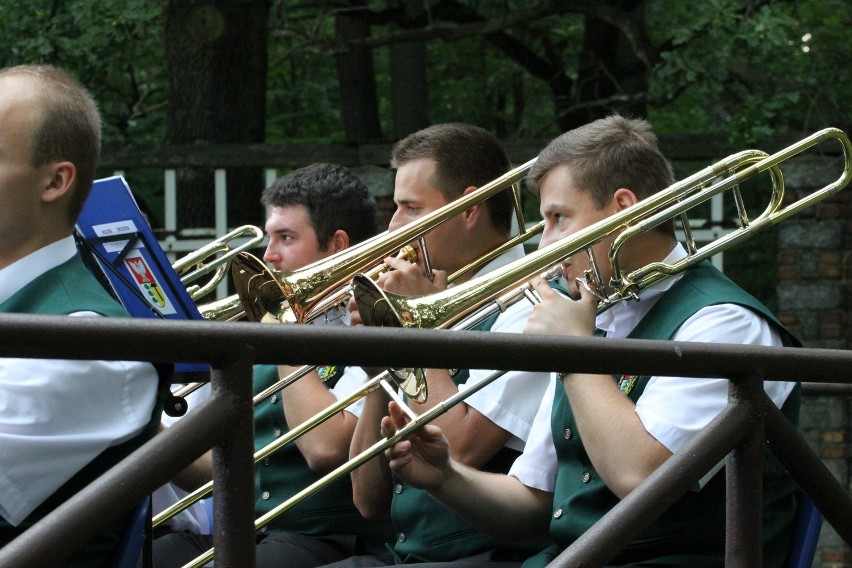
(434,167)
(596,437)
(314,212)
(62,422)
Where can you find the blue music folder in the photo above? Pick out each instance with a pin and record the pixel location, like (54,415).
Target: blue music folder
(112,230)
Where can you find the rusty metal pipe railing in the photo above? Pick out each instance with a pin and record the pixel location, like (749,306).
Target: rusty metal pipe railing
(744,478)
(231,349)
(196,341)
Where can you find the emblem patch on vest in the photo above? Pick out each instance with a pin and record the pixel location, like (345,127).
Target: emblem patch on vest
(326,372)
(626,383)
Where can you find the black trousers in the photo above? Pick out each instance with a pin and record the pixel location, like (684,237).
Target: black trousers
(281,550)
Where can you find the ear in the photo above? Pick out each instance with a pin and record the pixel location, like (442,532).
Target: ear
(60,180)
(473,213)
(624,198)
(338,241)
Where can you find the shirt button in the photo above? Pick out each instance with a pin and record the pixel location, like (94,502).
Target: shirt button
(263,529)
(273,399)
(397,488)
(400,537)
(557,513)
(568,433)
(267,461)
(264,495)
(587,477)
(277,433)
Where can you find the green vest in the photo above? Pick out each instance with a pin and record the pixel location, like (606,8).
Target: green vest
(278,477)
(427,531)
(692,532)
(65,289)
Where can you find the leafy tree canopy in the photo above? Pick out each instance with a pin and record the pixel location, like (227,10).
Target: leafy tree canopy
(748,68)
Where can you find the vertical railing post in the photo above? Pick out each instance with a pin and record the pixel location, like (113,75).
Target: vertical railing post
(233,469)
(744,542)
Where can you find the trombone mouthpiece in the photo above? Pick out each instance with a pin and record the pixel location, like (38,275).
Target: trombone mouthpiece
(553,273)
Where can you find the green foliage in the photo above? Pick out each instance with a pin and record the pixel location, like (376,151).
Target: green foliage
(752,72)
(115,48)
(749,69)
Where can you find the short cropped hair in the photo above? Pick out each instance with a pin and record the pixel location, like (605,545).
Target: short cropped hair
(605,155)
(68,127)
(333,197)
(466,156)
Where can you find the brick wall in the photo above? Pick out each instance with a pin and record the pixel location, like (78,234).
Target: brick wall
(815,302)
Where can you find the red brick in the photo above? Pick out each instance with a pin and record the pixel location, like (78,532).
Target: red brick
(787,257)
(837,555)
(830,211)
(833,317)
(788,319)
(788,272)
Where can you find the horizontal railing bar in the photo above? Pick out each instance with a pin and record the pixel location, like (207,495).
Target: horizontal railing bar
(24,335)
(827,389)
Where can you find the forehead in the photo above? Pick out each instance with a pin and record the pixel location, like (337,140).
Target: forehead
(414,182)
(18,102)
(558,186)
(288,217)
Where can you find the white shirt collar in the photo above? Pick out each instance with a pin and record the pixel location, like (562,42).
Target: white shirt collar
(619,320)
(25,270)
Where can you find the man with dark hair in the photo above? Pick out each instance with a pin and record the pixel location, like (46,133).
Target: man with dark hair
(314,212)
(434,167)
(596,437)
(62,422)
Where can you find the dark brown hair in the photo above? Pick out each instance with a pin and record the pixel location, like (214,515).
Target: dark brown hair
(466,156)
(605,155)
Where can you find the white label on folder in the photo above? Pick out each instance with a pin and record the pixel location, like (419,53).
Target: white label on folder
(117,228)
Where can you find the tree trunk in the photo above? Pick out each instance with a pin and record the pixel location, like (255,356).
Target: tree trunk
(409,96)
(610,75)
(217,64)
(357,79)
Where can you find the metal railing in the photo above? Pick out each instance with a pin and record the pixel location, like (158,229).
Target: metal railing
(224,422)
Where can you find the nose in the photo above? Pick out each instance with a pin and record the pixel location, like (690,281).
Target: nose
(547,237)
(395,222)
(269,254)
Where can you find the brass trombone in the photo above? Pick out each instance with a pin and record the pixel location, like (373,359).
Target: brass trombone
(409,383)
(203,261)
(304,294)
(294,296)
(441,309)
(673,202)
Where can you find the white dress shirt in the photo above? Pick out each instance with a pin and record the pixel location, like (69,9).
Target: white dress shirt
(672,409)
(511,401)
(58,415)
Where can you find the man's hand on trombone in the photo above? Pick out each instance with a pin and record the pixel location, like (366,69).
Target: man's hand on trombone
(556,315)
(410,279)
(423,458)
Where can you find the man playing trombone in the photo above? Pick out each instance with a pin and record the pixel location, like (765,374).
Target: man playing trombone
(436,166)
(596,437)
(314,213)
